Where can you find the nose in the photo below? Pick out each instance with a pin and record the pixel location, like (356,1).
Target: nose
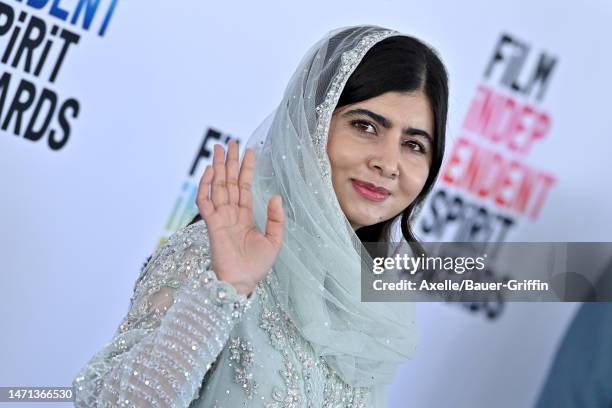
(386,161)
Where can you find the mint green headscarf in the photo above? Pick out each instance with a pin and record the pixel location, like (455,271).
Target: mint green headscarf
(316,278)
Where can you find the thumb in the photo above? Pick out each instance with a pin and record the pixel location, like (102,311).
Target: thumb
(275,221)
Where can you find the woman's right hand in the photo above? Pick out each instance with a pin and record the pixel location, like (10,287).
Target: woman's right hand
(241,255)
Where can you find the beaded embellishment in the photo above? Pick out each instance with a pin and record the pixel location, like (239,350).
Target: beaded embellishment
(301,363)
(241,354)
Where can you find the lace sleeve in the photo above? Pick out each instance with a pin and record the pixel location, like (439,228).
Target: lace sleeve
(179,320)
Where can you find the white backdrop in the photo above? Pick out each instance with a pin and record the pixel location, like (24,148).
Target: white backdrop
(76,223)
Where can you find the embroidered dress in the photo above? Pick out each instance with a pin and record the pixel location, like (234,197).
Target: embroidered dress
(303,338)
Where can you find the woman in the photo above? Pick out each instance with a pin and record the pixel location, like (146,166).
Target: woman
(226,316)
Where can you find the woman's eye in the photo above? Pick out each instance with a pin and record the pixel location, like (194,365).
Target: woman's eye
(416,146)
(364,126)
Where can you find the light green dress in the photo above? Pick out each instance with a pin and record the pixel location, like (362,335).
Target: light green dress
(184,324)
(303,338)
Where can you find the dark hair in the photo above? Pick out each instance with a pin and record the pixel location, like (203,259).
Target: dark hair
(402,64)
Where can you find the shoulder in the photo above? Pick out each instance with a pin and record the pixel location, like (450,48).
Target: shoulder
(191,239)
(184,252)
(188,236)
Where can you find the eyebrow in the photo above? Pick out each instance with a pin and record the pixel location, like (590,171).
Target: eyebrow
(386,123)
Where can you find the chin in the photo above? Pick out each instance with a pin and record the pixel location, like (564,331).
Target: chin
(363,218)
(366,222)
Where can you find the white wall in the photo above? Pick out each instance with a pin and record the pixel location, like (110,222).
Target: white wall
(77,223)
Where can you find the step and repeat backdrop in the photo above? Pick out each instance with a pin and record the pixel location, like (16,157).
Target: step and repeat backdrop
(109,110)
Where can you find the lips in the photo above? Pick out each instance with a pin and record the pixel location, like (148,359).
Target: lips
(370,191)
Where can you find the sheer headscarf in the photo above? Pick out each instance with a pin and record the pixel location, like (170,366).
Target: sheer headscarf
(317,275)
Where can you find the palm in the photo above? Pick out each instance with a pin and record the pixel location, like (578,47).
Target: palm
(241,255)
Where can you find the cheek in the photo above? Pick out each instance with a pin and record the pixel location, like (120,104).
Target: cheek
(341,154)
(414,180)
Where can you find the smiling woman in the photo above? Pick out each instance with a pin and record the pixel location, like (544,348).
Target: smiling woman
(257,302)
(387,136)
(380,153)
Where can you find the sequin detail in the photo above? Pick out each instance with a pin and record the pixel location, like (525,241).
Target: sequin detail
(304,374)
(177,325)
(241,356)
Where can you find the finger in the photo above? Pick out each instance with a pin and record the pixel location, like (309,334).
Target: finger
(245,180)
(276,221)
(231,168)
(204,185)
(219,189)
(205,205)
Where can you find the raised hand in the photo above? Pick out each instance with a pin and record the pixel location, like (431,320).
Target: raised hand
(241,255)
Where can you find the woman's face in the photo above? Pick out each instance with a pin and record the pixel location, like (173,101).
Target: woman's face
(380,151)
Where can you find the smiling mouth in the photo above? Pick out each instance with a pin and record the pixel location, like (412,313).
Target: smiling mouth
(366,191)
